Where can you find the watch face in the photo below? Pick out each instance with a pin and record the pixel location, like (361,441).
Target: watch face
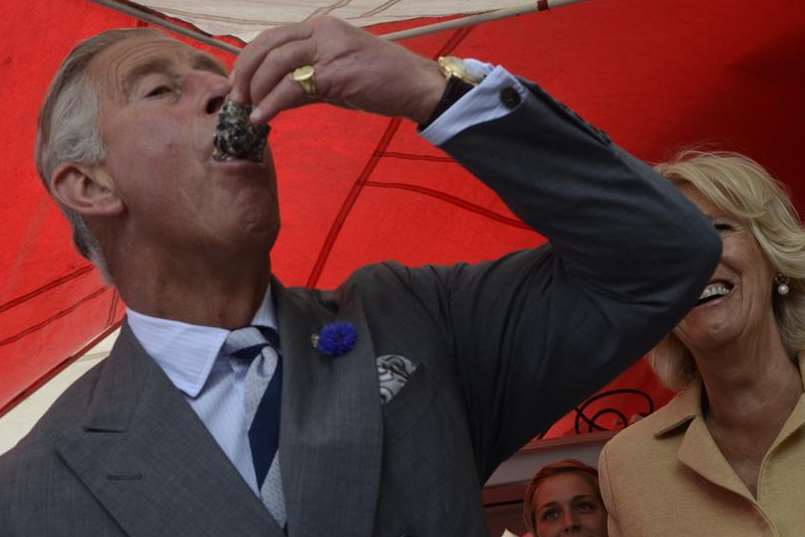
(451,66)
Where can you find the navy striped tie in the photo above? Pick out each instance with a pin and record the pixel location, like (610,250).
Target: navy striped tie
(263,390)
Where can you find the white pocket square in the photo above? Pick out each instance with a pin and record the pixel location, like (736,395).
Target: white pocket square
(393,371)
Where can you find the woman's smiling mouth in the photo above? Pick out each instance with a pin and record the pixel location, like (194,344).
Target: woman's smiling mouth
(714,290)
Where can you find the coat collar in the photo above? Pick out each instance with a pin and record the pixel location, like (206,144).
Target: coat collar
(683,408)
(331,427)
(149,460)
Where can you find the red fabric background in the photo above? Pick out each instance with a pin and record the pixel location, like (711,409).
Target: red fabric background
(355,188)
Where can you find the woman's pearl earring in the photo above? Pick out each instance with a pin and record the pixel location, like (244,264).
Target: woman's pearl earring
(782,282)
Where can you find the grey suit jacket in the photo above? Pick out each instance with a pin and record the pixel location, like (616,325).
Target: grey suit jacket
(502,349)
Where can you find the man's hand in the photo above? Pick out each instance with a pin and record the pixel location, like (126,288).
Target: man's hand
(353,69)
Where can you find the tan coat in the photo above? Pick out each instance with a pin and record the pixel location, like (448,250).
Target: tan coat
(665,476)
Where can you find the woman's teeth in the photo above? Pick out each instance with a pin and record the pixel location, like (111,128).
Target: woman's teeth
(713,291)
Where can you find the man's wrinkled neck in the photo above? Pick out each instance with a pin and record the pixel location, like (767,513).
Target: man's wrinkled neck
(221,293)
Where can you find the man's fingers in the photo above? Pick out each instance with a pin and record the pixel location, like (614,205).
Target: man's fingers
(255,52)
(287,94)
(277,64)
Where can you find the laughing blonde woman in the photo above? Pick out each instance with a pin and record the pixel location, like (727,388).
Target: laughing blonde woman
(726,457)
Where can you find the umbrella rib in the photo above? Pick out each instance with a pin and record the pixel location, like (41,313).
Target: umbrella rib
(60,314)
(47,287)
(349,202)
(143,15)
(461,22)
(409,156)
(472,20)
(384,142)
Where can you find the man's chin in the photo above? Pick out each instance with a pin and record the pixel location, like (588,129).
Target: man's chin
(256,231)
(240,167)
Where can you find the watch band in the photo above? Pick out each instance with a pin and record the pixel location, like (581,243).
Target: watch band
(459,82)
(455,90)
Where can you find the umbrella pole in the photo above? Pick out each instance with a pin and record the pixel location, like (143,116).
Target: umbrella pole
(157,21)
(541,5)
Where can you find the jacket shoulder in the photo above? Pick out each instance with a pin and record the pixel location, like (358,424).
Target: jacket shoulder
(381,277)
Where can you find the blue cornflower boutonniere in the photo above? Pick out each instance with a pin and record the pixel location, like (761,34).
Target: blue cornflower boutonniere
(335,339)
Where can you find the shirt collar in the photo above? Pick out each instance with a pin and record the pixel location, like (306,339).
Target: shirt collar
(687,405)
(187,352)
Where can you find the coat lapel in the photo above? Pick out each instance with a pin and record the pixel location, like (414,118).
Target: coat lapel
(797,418)
(149,460)
(701,454)
(331,425)
(697,450)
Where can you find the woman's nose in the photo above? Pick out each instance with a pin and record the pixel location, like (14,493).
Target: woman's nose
(569,522)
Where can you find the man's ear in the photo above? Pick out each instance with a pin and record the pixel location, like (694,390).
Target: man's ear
(88,190)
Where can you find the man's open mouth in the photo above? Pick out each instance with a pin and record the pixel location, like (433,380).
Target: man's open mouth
(235,137)
(714,290)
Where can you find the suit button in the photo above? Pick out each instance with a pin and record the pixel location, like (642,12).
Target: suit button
(510,98)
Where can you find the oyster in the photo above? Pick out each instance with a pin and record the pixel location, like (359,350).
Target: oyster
(236,138)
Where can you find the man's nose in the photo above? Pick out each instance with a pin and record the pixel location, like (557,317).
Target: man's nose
(214,103)
(209,90)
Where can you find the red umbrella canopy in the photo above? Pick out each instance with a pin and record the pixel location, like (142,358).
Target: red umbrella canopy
(357,188)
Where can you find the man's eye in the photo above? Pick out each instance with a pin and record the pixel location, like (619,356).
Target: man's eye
(159,90)
(585,507)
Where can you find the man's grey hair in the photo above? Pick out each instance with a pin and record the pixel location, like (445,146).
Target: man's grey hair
(68,130)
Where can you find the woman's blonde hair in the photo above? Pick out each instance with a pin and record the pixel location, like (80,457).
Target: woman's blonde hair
(741,188)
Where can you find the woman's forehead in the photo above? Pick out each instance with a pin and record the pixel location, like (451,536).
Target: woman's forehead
(705,204)
(565,484)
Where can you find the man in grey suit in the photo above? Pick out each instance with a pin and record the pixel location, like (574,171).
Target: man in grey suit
(444,371)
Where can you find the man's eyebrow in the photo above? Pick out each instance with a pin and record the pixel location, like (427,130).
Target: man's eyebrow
(206,63)
(155,65)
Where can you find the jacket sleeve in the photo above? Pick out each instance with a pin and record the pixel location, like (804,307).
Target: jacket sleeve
(536,332)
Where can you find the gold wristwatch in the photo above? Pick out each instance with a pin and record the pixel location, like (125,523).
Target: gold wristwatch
(452,67)
(459,82)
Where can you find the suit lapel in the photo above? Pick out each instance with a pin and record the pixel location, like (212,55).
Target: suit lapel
(149,460)
(331,426)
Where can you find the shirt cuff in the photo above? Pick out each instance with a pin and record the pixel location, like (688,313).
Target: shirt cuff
(480,105)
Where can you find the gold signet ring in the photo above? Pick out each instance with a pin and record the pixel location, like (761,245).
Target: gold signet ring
(304,75)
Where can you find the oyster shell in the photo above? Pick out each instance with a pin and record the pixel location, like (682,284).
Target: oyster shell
(236,138)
